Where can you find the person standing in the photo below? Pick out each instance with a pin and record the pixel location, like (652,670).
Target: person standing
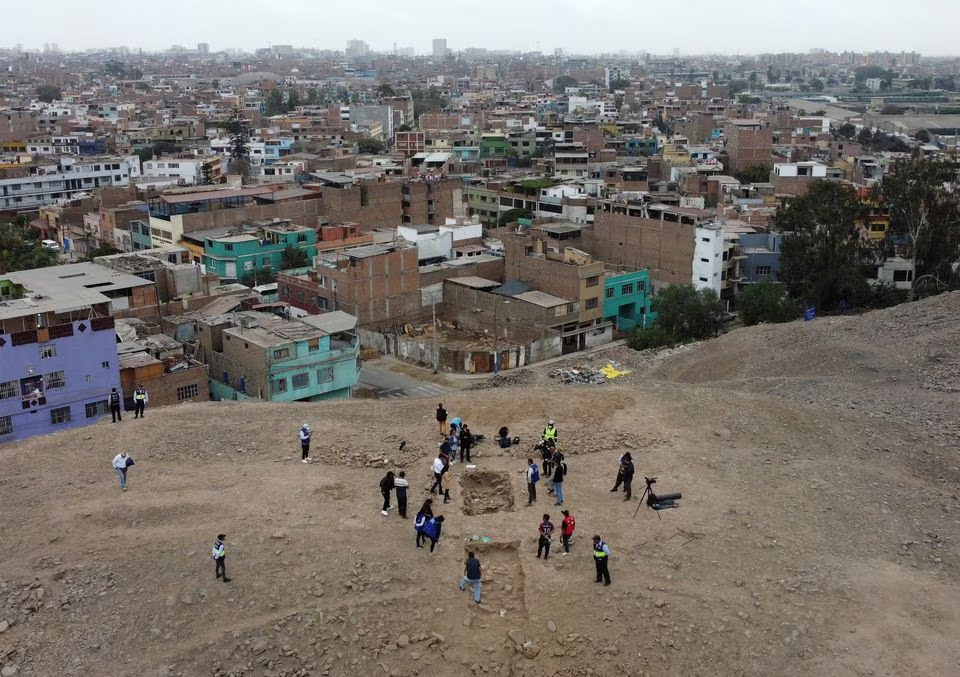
(566,530)
(550,432)
(420,521)
(442,418)
(400,483)
(616,485)
(438,465)
(386,486)
(533,476)
(601,558)
(546,537)
(432,530)
(115,401)
(471,574)
(453,441)
(140,400)
(220,558)
(558,482)
(305,443)
(121,462)
(626,471)
(466,442)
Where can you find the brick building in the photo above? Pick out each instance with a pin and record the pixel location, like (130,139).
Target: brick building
(377,283)
(167,382)
(748,143)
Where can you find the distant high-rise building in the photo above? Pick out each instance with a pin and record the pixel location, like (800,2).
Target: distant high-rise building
(203,48)
(440,47)
(356,48)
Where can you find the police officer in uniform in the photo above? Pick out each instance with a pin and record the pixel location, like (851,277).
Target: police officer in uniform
(601,558)
(139,401)
(115,405)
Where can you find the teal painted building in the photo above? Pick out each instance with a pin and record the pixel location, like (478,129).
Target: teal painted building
(626,300)
(254,249)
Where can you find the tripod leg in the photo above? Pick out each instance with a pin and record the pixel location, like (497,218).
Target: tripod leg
(640,505)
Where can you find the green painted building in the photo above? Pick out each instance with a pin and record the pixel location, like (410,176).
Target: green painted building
(253,249)
(494,146)
(626,300)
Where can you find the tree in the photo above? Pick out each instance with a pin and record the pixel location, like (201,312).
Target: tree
(427,102)
(370,145)
(511,216)
(239,130)
(687,313)
(619,83)
(20,248)
(865,137)
(754,174)
(102,249)
(291,257)
(824,258)
(386,90)
(737,86)
(206,174)
(847,130)
(275,103)
(816,85)
(767,302)
(922,135)
(561,82)
(48,93)
(925,215)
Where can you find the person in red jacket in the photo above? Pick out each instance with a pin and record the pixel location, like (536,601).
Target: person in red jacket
(566,530)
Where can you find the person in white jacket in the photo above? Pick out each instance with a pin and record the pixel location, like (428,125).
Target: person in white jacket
(305,443)
(120,463)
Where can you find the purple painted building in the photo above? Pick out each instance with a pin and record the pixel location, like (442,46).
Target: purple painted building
(58,353)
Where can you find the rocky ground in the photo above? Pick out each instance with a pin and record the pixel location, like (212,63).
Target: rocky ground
(817,533)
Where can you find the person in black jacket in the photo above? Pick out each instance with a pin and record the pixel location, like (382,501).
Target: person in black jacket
(442,418)
(386,486)
(626,472)
(558,482)
(466,441)
(115,400)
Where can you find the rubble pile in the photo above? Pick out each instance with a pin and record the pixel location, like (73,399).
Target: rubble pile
(508,379)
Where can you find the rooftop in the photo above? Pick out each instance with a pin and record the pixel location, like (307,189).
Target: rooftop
(202,196)
(269,330)
(541,298)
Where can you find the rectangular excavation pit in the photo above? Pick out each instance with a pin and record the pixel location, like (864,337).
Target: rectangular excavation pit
(485,492)
(503,577)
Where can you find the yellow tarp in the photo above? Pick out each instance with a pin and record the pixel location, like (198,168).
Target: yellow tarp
(612,372)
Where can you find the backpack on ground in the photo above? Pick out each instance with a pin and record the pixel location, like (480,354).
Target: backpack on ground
(535,475)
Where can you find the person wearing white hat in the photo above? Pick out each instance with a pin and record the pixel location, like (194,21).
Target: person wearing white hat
(305,443)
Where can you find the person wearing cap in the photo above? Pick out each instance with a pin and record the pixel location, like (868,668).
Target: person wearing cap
(220,557)
(550,432)
(305,443)
(601,558)
(566,530)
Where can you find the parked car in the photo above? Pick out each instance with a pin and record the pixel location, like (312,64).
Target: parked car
(52,245)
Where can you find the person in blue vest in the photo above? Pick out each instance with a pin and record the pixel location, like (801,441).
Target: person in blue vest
(601,558)
(305,443)
(220,557)
(432,530)
(140,399)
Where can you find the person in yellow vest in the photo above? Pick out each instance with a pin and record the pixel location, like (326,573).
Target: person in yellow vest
(550,432)
(601,557)
(140,399)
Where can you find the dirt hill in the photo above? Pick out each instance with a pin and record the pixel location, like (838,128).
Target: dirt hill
(817,533)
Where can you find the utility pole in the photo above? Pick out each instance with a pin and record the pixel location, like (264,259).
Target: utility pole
(433,306)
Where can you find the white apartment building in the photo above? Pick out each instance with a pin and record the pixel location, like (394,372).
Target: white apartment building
(65,179)
(186,171)
(708,258)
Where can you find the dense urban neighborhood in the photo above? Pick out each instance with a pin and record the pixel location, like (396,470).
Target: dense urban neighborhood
(287,288)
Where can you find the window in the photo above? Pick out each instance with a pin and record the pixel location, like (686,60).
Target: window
(9,389)
(281,353)
(703,279)
(627,288)
(49,350)
(761,270)
(187,391)
(105,365)
(302,237)
(300,380)
(324,374)
(705,239)
(55,379)
(592,281)
(97,408)
(902,276)
(313,345)
(228,247)
(610,292)
(60,415)
(279,385)
(88,378)
(703,260)
(592,303)
(6,425)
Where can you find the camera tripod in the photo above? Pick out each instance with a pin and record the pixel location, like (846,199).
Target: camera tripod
(655,502)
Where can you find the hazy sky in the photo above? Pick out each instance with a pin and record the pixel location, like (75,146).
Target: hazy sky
(583,26)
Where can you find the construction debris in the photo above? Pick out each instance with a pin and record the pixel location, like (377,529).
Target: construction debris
(507,379)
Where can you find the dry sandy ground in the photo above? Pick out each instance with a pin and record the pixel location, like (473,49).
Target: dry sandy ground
(817,535)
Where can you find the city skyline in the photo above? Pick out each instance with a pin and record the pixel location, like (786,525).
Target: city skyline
(756,27)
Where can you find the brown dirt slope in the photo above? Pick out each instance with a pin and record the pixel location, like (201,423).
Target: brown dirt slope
(817,535)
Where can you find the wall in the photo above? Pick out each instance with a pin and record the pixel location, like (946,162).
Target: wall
(81,357)
(162,388)
(664,247)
